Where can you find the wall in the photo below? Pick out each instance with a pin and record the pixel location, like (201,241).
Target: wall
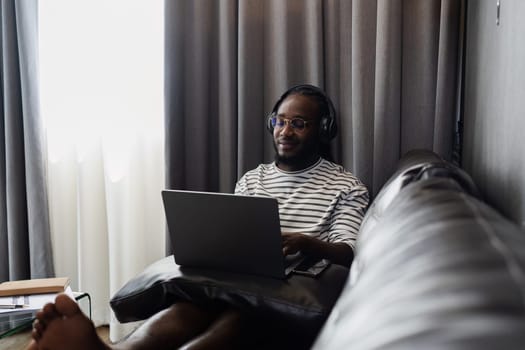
(494,110)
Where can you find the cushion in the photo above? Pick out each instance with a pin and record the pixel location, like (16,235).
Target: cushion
(414,166)
(440,270)
(298,301)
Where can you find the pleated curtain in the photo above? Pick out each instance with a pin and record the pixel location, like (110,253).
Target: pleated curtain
(390,67)
(25,245)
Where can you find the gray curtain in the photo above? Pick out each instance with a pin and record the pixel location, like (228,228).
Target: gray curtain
(25,247)
(389,66)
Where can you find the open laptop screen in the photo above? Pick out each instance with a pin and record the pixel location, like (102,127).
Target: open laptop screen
(225,231)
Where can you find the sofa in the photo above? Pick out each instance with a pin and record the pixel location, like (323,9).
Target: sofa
(435,268)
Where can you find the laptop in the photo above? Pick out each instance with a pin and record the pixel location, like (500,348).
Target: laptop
(227,232)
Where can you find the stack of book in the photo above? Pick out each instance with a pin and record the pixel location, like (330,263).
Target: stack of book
(30,294)
(21,300)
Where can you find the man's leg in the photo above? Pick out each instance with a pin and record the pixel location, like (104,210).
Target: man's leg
(63,326)
(228,331)
(170,328)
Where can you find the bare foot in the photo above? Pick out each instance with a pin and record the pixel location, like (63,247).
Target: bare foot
(62,325)
(43,317)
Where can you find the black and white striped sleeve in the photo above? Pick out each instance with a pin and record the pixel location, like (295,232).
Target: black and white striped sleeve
(348,215)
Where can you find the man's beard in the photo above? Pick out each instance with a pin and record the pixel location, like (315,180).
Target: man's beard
(309,151)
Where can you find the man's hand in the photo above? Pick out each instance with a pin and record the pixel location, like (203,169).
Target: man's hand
(338,253)
(294,242)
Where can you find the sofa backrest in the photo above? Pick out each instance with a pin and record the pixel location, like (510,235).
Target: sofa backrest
(435,268)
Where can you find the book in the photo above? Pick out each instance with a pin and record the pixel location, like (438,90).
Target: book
(34,286)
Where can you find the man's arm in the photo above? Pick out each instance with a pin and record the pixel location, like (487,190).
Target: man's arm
(346,220)
(338,253)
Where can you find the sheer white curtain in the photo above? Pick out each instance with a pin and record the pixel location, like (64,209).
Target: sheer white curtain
(102,102)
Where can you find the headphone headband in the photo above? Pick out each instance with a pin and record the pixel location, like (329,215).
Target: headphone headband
(328,123)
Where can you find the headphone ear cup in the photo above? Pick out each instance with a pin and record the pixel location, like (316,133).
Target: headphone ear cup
(328,129)
(323,128)
(332,129)
(269,126)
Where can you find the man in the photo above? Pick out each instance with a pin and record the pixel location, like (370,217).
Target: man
(320,205)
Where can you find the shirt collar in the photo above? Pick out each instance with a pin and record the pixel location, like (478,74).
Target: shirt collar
(316,164)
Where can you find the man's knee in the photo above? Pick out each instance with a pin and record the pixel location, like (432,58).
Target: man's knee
(185,315)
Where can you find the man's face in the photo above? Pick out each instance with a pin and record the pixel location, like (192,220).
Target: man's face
(296,148)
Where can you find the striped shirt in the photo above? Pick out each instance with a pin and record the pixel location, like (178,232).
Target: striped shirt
(323,201)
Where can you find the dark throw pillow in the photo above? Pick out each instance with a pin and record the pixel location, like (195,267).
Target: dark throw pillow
(298,301)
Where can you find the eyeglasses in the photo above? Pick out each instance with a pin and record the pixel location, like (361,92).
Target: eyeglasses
(296,123)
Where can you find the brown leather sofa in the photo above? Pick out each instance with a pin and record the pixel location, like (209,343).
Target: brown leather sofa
(435,268)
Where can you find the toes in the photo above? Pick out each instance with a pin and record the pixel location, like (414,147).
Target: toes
(40,317)
(49,310)
(47,313)
(43,318)
(38,329)
(66,306)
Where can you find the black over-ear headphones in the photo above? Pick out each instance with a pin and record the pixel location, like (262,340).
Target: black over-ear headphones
(328,124)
